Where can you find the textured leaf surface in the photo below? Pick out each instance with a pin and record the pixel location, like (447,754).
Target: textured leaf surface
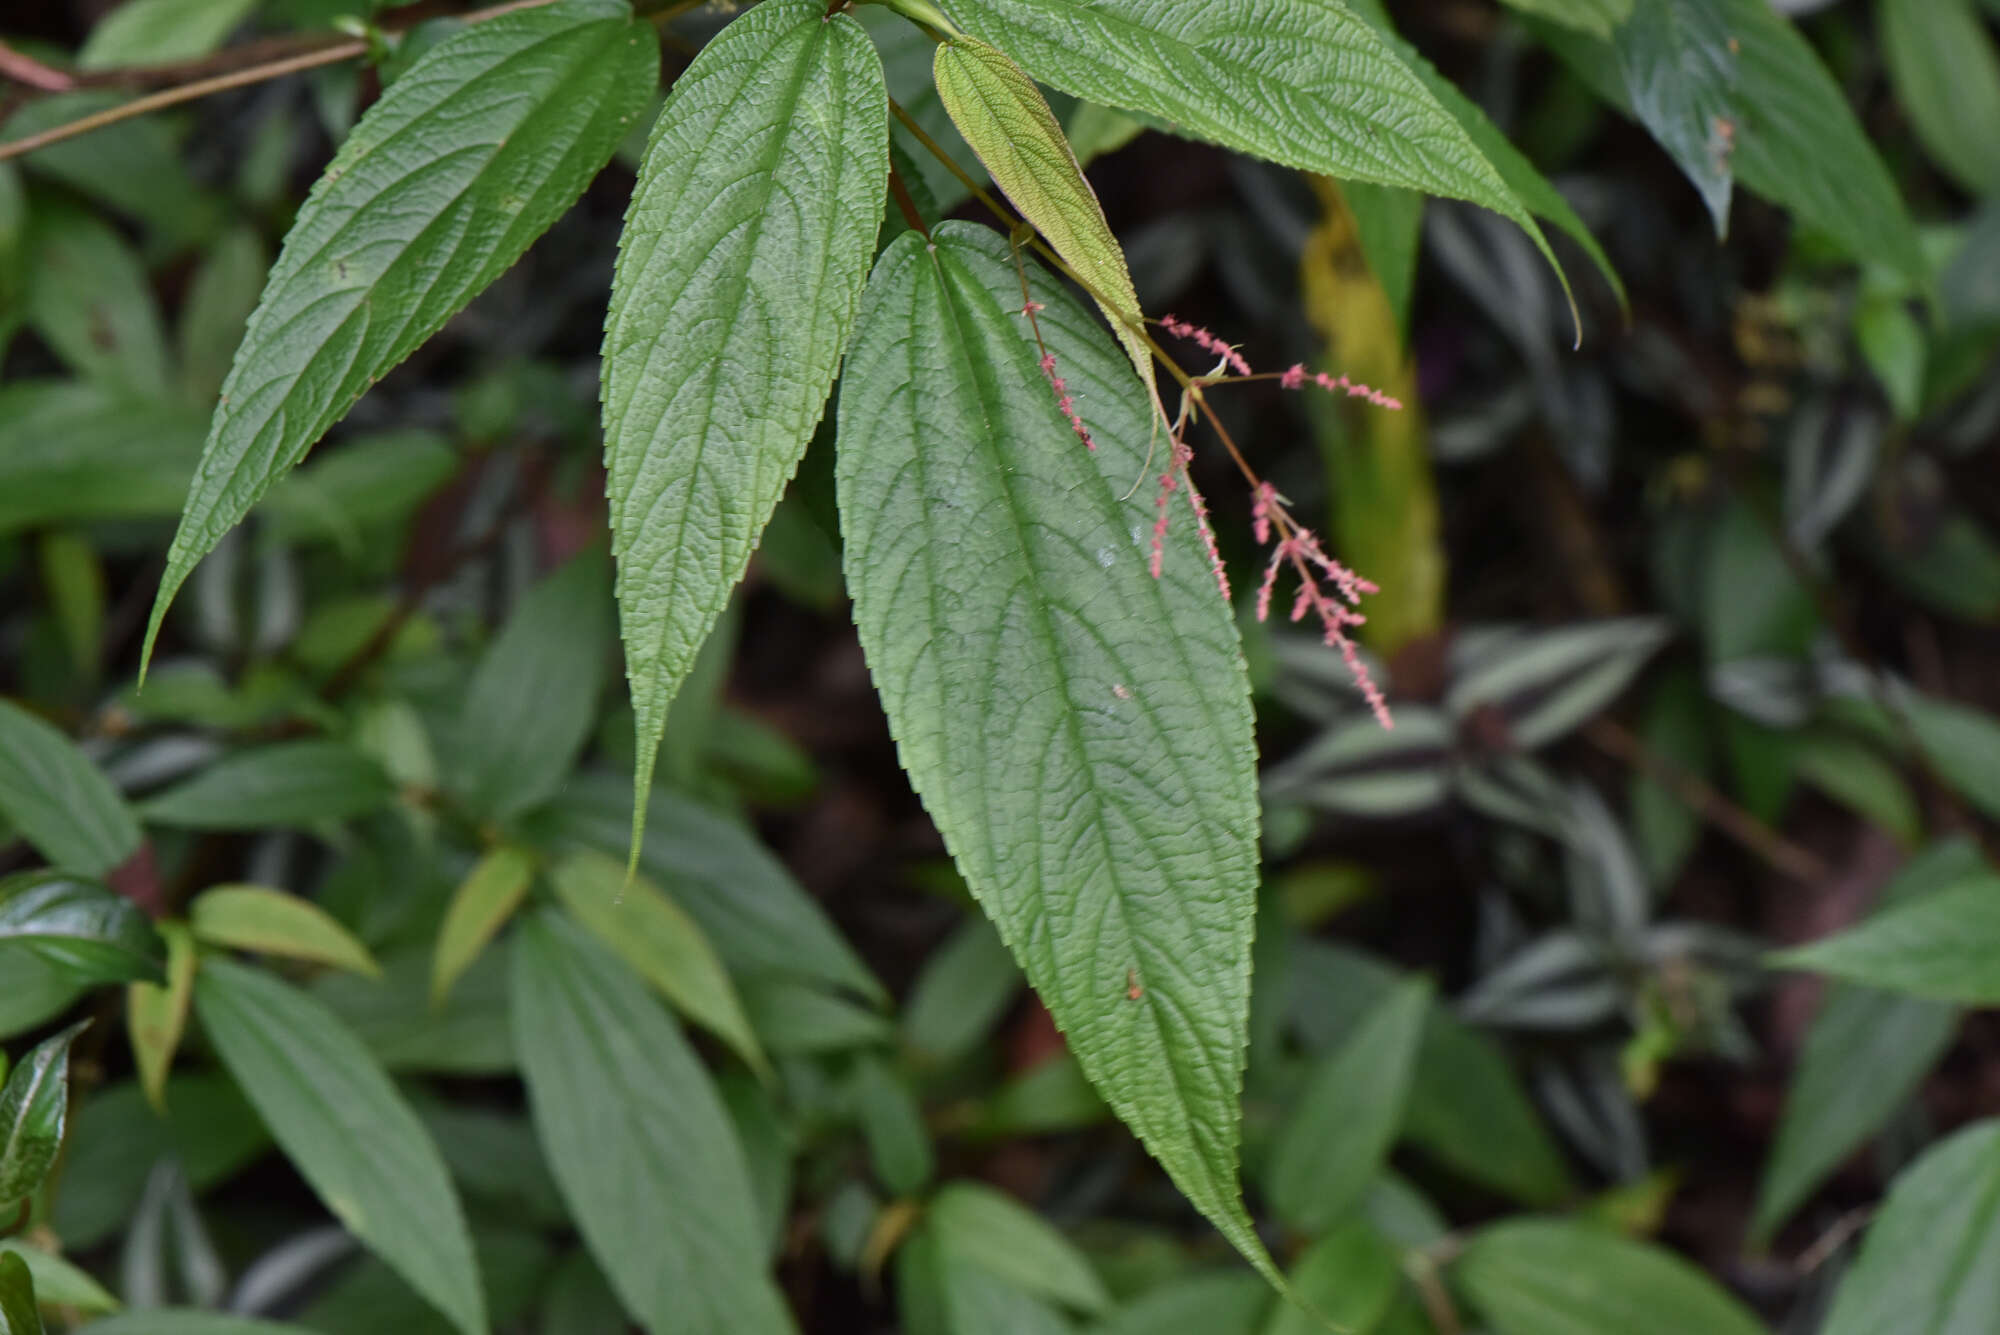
(464,161)
(1305,83)
(1007,121)
(1553,1277)
(1945,947)
(292,783)
(85,930)
(530,704)
(481,905)
(273,922)
(638,1140)
(1079,731)
(344,1126)
(742,258)
(1931,1262)
(657,938)
(34,1104)
(58,800)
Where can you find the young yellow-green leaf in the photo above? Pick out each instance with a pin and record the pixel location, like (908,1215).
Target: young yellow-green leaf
(479,908)
(1555,1277)
(1946,74)
(742,258)
(638,1140)
(273,922)
(1007,121)
(1338,1134)
(660,941)
(346,1129)
(156,1015)
(82,928)
(58,800)
(1079,730)
(1305,83)
(19,1314)
(464,161)
(1932,1256)
(34,1105)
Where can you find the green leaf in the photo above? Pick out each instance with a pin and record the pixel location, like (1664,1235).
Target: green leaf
(1946,74)
(760,920)
(661,943)
(1597,17)
(1963,743)
(156,1014)
(739,268)
(940,1292)
(73,450)
(1554,1277)
(58,800)
(1944,947)
(90,933)
(1006,120)
(530,704)
(978,1225)
(1308,84)
(135,166)
(274,922)
(1348,1279)
(638,1140)
(1932,1256)
(19,1314)
(187,1321)
(1338,1134)
(59,1283)
(393,1016)
(220,299)
(464,161)
(1680,73)
(160,32)
(346,1129)
(36,992)
(885,1105)
(965,986)
(794,1018)
(1795,139)
(292,783)
(1010,624)
(1215,1302)
(481,905)
(34,1104)
(89,298)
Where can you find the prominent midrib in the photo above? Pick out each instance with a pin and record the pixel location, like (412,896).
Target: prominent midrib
(987,394)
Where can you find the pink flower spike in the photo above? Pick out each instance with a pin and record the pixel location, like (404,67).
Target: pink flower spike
(1207,341)
(1295,378)
(1199,505)
(1262,501)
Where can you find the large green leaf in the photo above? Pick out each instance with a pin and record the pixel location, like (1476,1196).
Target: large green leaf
(86,931)
(528,709)
(34,1104)
(743,256)
(1555,1277)
(1947,79)
(343,1125)
(465,160)
(1007,121)
(1079,731)
(291,783)
(638,1140)
(1931,1262)
(1309,84)
(1945,947)
(1338,1134)
(58,800)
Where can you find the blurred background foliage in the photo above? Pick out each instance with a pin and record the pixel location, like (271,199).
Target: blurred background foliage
(1689,627)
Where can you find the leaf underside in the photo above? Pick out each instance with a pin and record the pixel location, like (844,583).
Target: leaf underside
(742,259)
(1079,731)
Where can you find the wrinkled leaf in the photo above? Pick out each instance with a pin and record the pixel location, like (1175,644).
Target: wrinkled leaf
(291,783)
(660,942)
(465,160)
(479,908)
(273,922)
(739,268)
(1002,595)
(58,800)
(86,931)
(341,1122)
(638,1140)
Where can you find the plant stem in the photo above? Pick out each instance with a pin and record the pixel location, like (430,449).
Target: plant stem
(32,72)
(260,73)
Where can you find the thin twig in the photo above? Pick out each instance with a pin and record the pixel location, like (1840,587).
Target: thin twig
(1780,853)
(22,68)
